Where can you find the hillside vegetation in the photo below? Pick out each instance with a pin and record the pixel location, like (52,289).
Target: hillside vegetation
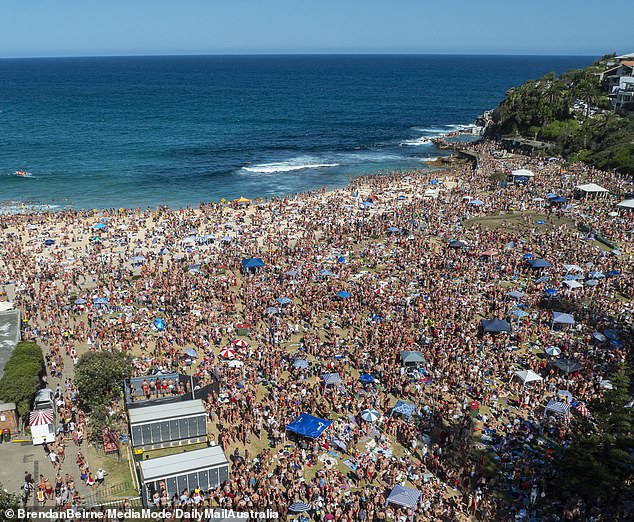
(573,116)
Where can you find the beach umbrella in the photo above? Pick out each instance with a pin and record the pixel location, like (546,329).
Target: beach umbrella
(582,409)
(592,282)
(326,273)
(599,337)
(596,275)
(516,294)
(540,222)
(476,202)
(402,197)
(272,310)
(343,295)
(240,343)
(456,243)
(300,364)
(284,300)
(80,301)
(611,334)
(565,394)
(370,415)
(340,444)
(342,260)
(617,343)
(299,507)
(49,242)
(191,352)
(159,324)
(528,256)
(518,313)
(393,229)
(551,292)
(542,279)
(235,364)
(613,273)
(553,351)
(99,226)
(228,353)
(567,365)
(226,239)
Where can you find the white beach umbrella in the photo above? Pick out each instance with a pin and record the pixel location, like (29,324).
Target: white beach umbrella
(370,415)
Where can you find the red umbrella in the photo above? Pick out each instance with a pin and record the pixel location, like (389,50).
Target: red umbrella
(227,353)
(240,343)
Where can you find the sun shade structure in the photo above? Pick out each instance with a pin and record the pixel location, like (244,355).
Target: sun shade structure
(203,468)
(308,425)
(592,188)
(408,357)
(456,243)
(562,318)
(402,496)
(626,204)
(522,173)
(495,325)
(331,378)
(527,376)
(539,263)
(567,365)
(242,200)
(560,408)
(366,378)
(252,262)
(165,425)
(299,507)
(370,415)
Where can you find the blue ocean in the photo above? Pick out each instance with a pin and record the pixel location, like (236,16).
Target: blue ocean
(180,130)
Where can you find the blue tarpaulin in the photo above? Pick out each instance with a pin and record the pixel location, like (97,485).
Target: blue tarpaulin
(366,378)
(308,425)
(495,325)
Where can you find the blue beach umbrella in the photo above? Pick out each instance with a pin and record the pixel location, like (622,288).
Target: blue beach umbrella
(284,300)
(191,352)
(542,279)
(393,229)
(366,378)
(80,301)
(299,507)
(528,256)
(343,295)
(99,226)
(550,292)
(159,324)
(49,242)
(342,260)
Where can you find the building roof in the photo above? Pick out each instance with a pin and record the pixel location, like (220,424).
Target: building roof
(7,406)
(591,187)
(625,56)
(166,411)
(628,63)
(182,463)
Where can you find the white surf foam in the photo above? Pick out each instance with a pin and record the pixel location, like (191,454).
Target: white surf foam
(423,140)
(270,168)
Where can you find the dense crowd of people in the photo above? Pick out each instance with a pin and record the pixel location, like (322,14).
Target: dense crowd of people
(369,272)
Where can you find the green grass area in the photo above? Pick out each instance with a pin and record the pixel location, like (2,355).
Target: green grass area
(164,452)
(116,472)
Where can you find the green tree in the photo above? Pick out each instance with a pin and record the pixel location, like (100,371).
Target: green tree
(99,377)
(599,464)
(8,501)
(21,377)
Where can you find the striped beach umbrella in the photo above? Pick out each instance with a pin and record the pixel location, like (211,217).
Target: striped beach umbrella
(553,351)
(299,507)
(227,353)
(41,417)
(240,343)
(370,415)
(582,409)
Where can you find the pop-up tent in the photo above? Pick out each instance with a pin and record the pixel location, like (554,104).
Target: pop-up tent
(308,425)
(567,365)
(252,263)
(539,263)
(627,204)
(562,318)
(591,189)
(522,174)
(402,496)
(560,408)
(527,376)
(495,325)
(412,357)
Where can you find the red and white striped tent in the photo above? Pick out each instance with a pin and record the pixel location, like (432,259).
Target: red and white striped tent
(41,417)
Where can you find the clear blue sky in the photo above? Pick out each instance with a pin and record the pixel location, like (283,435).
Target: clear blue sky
(113,27)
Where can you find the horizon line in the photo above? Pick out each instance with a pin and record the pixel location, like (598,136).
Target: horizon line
(298,53)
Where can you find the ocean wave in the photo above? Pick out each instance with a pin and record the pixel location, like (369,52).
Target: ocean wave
(289,166)
(423,140)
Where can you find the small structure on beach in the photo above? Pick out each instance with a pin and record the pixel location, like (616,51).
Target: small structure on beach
(590,189)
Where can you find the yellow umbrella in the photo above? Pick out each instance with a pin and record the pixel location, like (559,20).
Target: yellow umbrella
(242,199)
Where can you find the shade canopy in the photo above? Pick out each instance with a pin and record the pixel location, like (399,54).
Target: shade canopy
(252,262)
(300,364)
(402,496)
(591,188)
(525,173)
(456,243)
(412,357)
(284,300)
(627,203)
(343,295)
(527,376)
(41,417)
(539,263)
(366,378)
(567,365)
(495,325)
(562,318)
(308,425)
(331,378)
(558,408)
